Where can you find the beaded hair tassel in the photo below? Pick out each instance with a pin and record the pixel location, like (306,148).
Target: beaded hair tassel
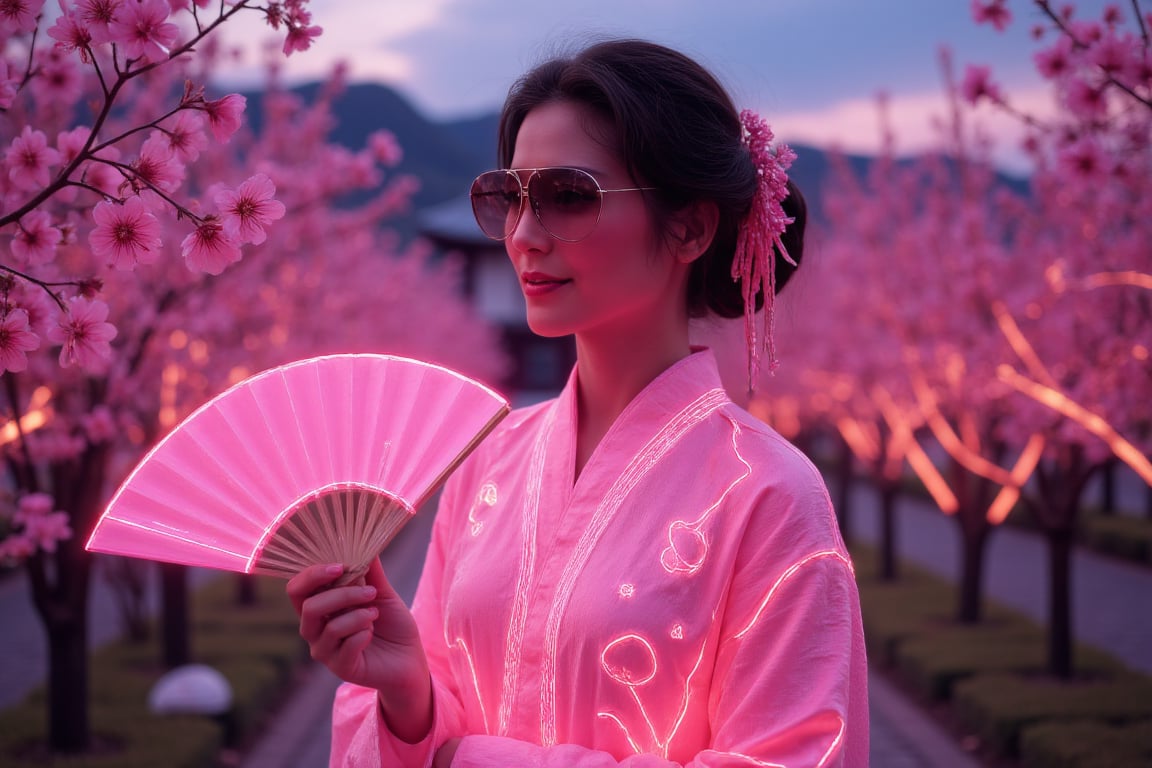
(754,265)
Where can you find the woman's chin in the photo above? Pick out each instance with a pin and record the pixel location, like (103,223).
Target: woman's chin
(549,327)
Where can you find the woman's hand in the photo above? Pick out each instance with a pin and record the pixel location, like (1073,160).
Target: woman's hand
(366,635)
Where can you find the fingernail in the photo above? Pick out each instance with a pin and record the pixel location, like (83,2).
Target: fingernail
(368,591)
(335,569)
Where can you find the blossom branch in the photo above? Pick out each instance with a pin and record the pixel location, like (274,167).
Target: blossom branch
(132,131)
(131,176)
(122,77)
(46,286)
(1140,21)
(1059,22)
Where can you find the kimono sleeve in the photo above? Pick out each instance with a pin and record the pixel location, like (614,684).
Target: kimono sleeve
(360,737)
(790,680)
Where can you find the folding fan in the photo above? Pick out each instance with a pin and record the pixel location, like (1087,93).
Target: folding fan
(319,461)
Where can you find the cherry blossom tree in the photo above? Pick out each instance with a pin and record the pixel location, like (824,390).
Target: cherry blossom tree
(1081,332)
(101,117)
(1010,330)
(158,251)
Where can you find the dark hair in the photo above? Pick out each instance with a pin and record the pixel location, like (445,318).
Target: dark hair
(679,132)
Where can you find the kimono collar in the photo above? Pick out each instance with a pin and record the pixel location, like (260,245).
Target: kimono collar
(680,386)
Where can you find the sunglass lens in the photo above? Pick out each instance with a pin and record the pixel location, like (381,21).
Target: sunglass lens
(566,201)
(496,203)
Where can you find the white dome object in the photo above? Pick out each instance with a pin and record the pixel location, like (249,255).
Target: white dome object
(193,689)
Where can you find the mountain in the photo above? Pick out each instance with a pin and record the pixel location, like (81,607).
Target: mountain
(446,156)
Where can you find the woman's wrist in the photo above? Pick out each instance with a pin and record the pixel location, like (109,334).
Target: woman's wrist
(407,710)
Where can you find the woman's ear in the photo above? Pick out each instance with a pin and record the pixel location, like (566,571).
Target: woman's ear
(692,230)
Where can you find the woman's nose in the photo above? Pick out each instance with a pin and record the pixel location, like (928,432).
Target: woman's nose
(529,234)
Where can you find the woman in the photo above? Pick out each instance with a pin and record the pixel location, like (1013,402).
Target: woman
(638,572)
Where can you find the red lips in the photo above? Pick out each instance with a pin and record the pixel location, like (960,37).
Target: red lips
(540,283)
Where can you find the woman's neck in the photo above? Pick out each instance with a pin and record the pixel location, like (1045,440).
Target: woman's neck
(614,367)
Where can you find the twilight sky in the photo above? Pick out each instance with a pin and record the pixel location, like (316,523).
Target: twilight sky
(813,67)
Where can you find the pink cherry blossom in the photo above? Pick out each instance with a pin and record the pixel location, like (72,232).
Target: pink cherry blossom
(994,12)
(71,34)
(16,339)
(1087,101)
(144,30)
(186,136)
(156,165)
(29,159)
(1055,61)
(70,143)
(225,116)
(385,148)
(1113,52)
(102,176)
(18,17)
(1139,70)
(249,209)
(99,425)
(126,234)
(300,30)
(16,548)
(43,527)
(84,334)
(96,16)
(59,76)
(36,239)
(31,506)
(1084,160)
(978,85)
(209,249)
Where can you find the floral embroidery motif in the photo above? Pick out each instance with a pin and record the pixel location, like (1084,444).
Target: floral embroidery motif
(485,499)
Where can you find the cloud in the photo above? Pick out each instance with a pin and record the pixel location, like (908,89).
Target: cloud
(917,122)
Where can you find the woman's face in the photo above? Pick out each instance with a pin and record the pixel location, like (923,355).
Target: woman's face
(616,280)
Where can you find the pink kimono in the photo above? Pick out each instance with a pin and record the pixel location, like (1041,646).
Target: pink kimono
(687,601)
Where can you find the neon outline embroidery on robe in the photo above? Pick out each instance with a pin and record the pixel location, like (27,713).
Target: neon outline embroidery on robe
(519,617)
(487,495)
(459,643)
(792,569)
(681,564)
(788,574)
(638,468)
(661,745)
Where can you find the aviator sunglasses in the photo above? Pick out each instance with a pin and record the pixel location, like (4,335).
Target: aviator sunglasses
(566,201)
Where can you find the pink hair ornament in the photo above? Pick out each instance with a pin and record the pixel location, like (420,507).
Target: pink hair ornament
(754,265)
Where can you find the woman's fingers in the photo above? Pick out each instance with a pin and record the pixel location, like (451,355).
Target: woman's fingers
(322,608)
(327,645)
(311,580)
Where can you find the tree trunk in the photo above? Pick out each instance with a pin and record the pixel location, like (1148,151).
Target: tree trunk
(973,545)
(68,726)
(1061,489)
(1060,657)
(59,583)
(175,634)
(1108,487)
(844,490)
(889,566)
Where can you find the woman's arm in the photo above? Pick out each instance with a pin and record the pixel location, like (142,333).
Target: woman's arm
(403,719)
